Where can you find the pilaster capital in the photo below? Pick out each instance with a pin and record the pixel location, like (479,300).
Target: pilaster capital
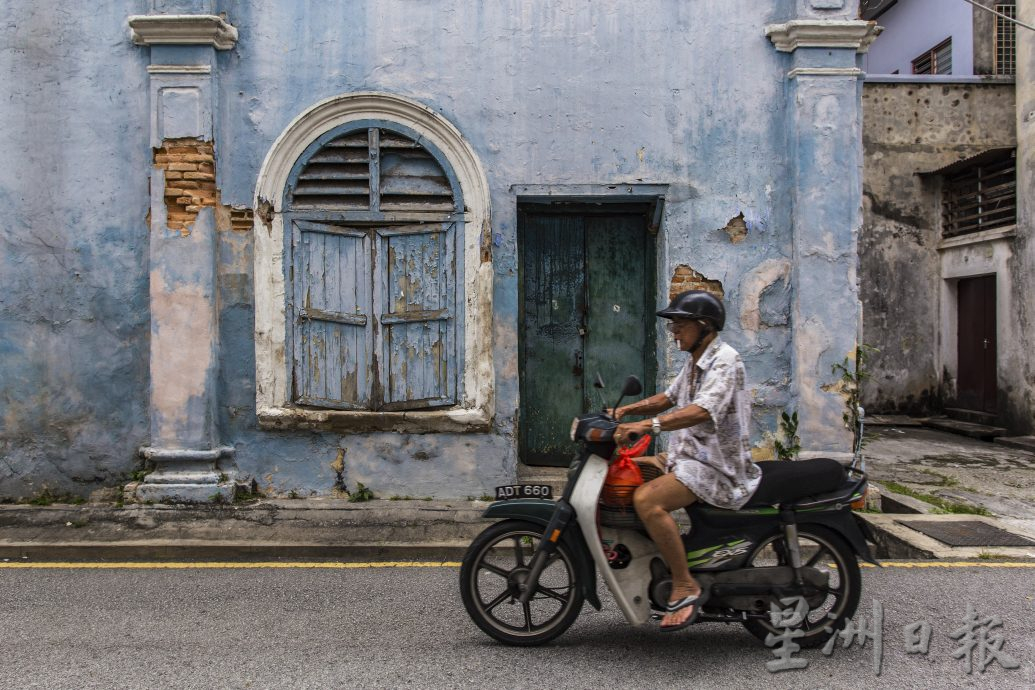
(823,33)
(182,29)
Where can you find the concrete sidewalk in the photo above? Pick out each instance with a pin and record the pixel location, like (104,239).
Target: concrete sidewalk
(997,480)
(317,528)
(931,476)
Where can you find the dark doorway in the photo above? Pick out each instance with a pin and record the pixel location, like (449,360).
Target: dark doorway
(976,327)
(586,306)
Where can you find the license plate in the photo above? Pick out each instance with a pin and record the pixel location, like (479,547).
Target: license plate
(509,491)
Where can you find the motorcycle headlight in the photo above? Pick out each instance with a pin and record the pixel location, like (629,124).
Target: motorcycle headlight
(574,427)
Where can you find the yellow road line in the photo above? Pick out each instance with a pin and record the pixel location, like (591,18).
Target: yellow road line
(952,564)
(317,565)
(232,565)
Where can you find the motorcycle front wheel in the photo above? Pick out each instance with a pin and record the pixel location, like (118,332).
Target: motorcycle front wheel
(827,552)
(496,564)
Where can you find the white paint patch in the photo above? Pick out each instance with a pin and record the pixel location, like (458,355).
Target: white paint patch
(751,288)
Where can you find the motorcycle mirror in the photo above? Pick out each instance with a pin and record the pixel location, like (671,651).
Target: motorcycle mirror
(632,387)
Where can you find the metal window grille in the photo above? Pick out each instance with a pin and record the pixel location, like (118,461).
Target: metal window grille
(982,197)
(937,60)
(1006,40)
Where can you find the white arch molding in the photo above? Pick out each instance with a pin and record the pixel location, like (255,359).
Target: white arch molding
(272,376)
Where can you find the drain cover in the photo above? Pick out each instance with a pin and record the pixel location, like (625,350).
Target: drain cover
(966,533)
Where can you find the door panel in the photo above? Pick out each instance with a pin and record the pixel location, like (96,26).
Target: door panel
(586,308)
(553,261)
(976,340)
(617,284)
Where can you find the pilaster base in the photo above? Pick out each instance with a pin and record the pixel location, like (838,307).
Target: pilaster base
(185,476)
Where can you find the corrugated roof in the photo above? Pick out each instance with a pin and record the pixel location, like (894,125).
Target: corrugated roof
(983,158)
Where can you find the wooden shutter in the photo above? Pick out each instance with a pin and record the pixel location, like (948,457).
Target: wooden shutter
(332,305)
(416,268)
(373,304)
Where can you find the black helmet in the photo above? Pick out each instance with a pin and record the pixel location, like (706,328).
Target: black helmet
(696,304)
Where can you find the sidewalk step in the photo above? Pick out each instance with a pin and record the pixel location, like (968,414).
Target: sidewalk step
(556,477)
(954,426)
(972,416)
(1020,442)
(897,540)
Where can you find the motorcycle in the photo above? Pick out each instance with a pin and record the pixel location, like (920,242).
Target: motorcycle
(525,578)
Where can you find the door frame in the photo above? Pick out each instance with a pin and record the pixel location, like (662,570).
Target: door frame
(972,256)
(651,207)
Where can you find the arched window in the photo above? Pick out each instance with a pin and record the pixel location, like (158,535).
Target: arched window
(373,244)
(373,272)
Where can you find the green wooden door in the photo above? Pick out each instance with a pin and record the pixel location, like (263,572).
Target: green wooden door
(586,307)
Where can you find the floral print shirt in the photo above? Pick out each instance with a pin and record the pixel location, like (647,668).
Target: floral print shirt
(713,458)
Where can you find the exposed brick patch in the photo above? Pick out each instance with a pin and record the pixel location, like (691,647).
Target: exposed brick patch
(737,229)
(190,181)
(685,278)
(190,185)
(241,219)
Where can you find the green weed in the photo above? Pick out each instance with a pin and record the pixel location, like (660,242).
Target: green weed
(943,505)
(362,494)
(789,434)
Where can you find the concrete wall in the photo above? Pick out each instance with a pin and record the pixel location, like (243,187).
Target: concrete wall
(913,26)
(910,128)
(1020,397)
(547,94)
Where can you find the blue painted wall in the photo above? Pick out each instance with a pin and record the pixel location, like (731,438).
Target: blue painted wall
(691,95)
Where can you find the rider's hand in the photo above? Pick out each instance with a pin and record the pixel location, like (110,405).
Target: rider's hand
(616,412)
(627,434)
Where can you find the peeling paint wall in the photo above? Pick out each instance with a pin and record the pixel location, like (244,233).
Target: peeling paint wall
(910,128)
(545,93)
(73,249)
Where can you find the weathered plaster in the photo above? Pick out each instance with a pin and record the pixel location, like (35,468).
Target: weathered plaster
(560,93)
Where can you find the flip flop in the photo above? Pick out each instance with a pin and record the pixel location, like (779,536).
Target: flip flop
(696,600)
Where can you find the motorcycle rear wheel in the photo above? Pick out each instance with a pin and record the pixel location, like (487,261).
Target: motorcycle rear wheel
(827,551)
(492,569)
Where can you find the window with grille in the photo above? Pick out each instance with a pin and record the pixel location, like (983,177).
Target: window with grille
(373,273)
(937,60)
(1006,40)
(980,196)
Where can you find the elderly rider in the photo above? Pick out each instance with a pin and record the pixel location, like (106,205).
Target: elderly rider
(708,412)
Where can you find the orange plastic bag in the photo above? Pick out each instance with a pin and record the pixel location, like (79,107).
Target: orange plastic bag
(623,476)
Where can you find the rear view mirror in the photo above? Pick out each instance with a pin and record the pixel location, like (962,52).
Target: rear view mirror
(632,387)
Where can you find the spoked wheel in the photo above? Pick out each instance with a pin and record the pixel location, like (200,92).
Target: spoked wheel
(833,561)
(496,564)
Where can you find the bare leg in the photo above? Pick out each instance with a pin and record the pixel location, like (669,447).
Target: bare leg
(654,501)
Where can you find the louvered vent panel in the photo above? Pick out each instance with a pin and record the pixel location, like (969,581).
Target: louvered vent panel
(411,178)
(337,176)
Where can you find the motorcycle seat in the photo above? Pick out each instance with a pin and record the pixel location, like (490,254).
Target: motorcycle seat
(787,481)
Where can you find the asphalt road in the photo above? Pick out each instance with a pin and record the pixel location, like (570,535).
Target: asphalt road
(405,627)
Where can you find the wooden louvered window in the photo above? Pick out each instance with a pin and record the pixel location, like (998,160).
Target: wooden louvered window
(937,60)
(373,274)
(982,196)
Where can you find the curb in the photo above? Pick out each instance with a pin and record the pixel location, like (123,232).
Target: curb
(224,552)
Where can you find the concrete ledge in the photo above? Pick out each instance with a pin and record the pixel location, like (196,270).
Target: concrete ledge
(895,541)
(1019,442)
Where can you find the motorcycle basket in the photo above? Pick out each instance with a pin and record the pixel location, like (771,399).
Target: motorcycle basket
(615,508)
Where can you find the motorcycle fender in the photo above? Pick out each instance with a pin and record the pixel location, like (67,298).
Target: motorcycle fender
(540,511)
(846,524)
